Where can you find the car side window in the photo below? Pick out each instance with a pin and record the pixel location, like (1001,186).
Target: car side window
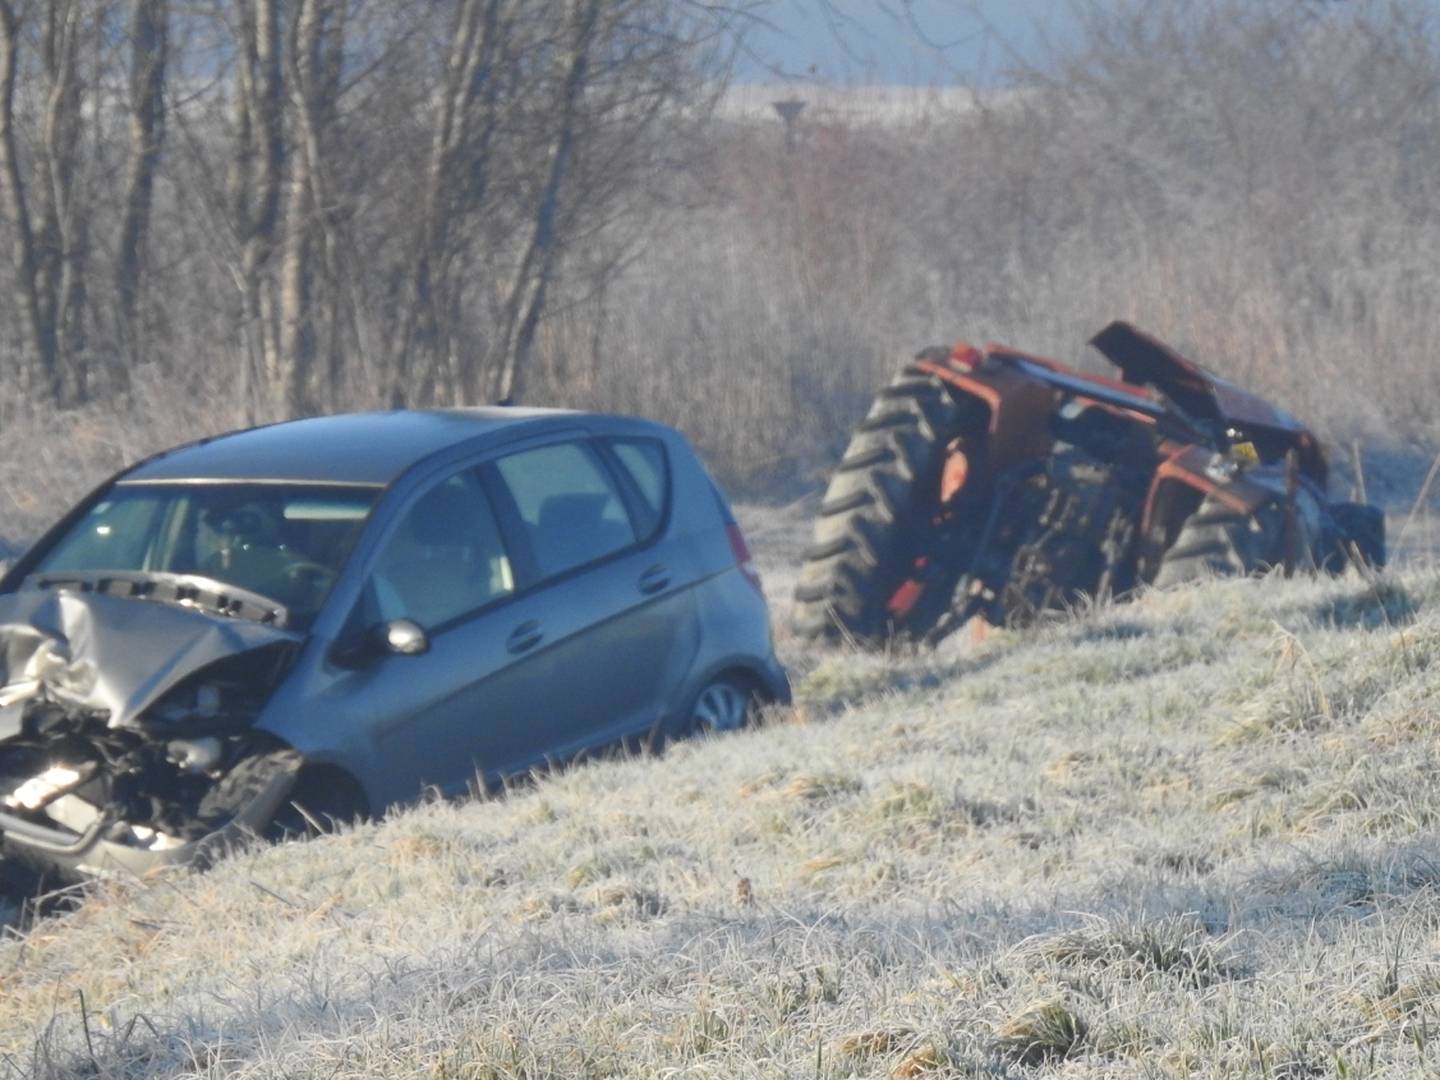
(646,465)
(445,558)
(567,504)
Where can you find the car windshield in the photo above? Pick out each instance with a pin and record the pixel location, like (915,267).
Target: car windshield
(286,542)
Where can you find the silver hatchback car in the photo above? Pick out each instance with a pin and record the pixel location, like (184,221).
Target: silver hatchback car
(322,618)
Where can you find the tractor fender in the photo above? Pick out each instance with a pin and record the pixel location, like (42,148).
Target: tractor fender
(1193,467)
(1019,406)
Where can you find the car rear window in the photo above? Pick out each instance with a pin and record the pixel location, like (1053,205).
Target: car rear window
(568,505)
(645,464)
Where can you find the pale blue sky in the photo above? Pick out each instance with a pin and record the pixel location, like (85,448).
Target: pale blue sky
(902,41)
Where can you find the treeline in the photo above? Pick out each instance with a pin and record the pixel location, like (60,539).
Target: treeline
(249,209)
(282,206)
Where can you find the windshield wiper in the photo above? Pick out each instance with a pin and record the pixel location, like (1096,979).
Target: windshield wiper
(182,590)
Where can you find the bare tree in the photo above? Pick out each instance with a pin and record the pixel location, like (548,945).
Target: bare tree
(550,114)
(63,227)
(525,297)
(456,182)
(254,184)
(338,198)
(149,53)
(41,344)
(50,209)
(315,63)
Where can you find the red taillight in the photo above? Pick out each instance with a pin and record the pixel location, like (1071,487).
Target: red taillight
(741,551)
(965,356)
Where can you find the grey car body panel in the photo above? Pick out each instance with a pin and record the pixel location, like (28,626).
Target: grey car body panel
(615,655)
(607,653)
(111,655)
(737,637)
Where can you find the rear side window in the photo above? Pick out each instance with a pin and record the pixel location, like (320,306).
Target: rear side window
(646,465)
(568,506)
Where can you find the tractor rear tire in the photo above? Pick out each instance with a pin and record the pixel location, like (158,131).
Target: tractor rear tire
(874,519)
(1219,541)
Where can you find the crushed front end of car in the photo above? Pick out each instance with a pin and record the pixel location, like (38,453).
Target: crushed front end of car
(126,722)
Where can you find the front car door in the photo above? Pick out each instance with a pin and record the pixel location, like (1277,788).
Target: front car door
(460,709)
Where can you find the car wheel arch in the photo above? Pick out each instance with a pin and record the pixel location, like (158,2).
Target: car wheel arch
(322,776)
(318,766)
(735,672)
(323,797)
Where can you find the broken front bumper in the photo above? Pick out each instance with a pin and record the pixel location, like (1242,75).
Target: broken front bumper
(102,850)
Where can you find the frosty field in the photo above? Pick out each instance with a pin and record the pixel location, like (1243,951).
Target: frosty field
(1187,836)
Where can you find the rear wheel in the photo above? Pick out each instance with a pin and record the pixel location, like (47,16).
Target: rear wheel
(725,704)
(876,519)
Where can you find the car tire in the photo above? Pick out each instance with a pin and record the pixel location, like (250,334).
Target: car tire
(722,705)
(874,518)
(239,788)
(321,802)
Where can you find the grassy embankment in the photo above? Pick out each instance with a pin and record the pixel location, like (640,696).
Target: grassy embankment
(1188,836)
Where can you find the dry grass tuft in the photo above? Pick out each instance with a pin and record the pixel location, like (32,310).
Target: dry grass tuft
(812,787)
(1042,1031)
(1180,947)
(813,868)
(1067,766)
(921,1061)
(630,898)
(875,1042)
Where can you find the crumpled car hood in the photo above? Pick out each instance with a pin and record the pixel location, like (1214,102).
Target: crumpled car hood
(110,654)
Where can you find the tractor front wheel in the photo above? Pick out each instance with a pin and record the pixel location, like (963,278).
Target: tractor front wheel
(1220,541)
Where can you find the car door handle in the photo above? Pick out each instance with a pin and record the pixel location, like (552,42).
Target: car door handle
(524,637)
(654,579)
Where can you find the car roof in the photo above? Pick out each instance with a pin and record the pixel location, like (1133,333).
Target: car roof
(356,448)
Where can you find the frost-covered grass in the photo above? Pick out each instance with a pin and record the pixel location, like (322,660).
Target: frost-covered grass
(1192,835)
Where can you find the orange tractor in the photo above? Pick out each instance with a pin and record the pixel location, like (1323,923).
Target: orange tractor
(996,484)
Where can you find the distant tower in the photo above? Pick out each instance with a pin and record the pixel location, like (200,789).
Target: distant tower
(789,111)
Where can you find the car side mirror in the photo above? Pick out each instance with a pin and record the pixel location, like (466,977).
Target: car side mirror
(403,637)
(398,637)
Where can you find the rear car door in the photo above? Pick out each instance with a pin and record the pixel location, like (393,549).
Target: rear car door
(610,596)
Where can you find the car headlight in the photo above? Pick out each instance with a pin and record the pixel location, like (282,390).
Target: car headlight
(47,787)
(195,755)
